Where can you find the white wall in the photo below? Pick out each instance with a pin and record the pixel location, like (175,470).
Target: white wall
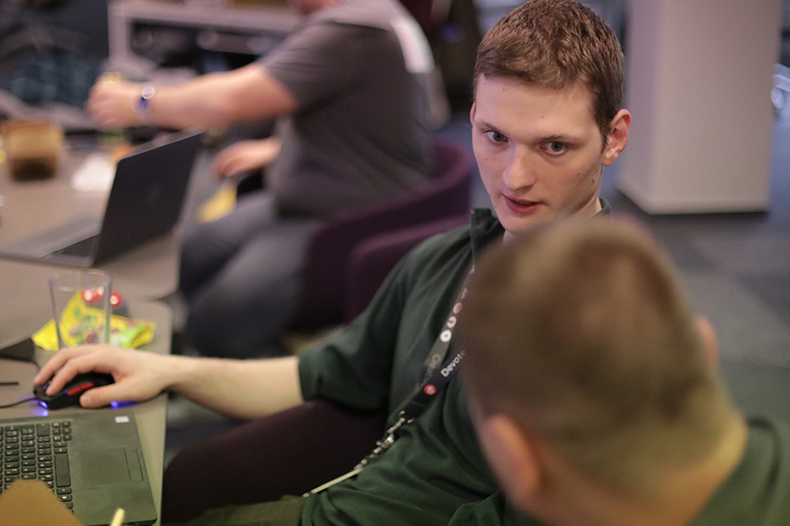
(698,82)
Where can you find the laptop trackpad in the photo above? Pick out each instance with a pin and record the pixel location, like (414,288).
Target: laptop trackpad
(111,466)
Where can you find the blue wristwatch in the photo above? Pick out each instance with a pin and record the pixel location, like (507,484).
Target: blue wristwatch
(144,104)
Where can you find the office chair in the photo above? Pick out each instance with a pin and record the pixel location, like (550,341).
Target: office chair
(372,260)
(331,245)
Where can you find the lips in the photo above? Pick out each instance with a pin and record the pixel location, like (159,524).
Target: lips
(521,206)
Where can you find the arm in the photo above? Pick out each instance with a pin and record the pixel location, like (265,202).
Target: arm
(217,99)
(241,389)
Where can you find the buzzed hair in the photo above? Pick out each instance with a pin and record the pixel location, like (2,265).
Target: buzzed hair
(557,44)
(582,334)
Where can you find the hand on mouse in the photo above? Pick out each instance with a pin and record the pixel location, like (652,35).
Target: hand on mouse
(138,375)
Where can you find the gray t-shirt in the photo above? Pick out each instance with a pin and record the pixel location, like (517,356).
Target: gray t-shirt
(361,132)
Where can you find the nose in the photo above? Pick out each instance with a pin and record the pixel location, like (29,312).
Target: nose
(519,173)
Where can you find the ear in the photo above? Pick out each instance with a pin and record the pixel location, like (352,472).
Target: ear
(708,334)
(512,456)
(472,114)
(617,138)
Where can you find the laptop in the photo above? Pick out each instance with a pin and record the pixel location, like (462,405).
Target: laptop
(93,462)
(145,202)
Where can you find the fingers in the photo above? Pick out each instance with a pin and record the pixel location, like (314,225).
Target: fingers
(106,115)
(55,363)
(101,396)
(111,104)
(75,366)
(99,102)
(246,155)
(232,167)
(233,159)
(93,98)
(69,362)
(222,162)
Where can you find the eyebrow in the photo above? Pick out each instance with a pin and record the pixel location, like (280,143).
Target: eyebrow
(485,124)
(562,138)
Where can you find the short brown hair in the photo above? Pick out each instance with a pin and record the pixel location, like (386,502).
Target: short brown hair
(557,44)
(582,334)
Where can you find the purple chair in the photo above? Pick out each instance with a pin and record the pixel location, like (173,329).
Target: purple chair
(330,248)
(374,258)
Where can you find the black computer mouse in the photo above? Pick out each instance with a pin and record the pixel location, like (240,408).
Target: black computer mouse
(70,394)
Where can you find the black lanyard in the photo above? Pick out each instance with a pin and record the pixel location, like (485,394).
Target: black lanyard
(436,373)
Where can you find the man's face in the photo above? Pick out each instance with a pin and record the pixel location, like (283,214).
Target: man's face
(540,151)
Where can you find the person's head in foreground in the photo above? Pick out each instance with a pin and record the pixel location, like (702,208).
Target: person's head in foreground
(546,117)
(593,387)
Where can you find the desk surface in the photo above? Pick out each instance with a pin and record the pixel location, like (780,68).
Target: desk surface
(31,207)
(150,415)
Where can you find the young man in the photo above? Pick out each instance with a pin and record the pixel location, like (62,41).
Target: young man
(595,393)
(546,119)
(352,87)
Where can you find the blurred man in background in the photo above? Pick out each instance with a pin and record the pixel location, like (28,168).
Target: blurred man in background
(353,86)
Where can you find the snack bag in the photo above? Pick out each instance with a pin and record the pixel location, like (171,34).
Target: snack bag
(84,324)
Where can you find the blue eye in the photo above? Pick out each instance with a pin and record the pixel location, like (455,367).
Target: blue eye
(495,136)
(556,147)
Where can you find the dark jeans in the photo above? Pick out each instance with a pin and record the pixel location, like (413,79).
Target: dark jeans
(287,453)
(284,512)
(241,277)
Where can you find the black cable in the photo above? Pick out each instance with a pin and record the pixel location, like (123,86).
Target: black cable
(31,399)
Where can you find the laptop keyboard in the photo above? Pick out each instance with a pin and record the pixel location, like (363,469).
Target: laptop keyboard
(37,451)
(83,248)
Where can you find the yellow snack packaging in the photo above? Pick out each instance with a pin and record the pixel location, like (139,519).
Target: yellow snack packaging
(83,324)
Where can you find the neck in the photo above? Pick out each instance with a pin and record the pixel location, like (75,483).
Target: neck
(594,208)
(674,499)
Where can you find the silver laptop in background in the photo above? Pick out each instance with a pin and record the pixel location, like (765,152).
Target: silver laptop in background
(145,202)
(93,461)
